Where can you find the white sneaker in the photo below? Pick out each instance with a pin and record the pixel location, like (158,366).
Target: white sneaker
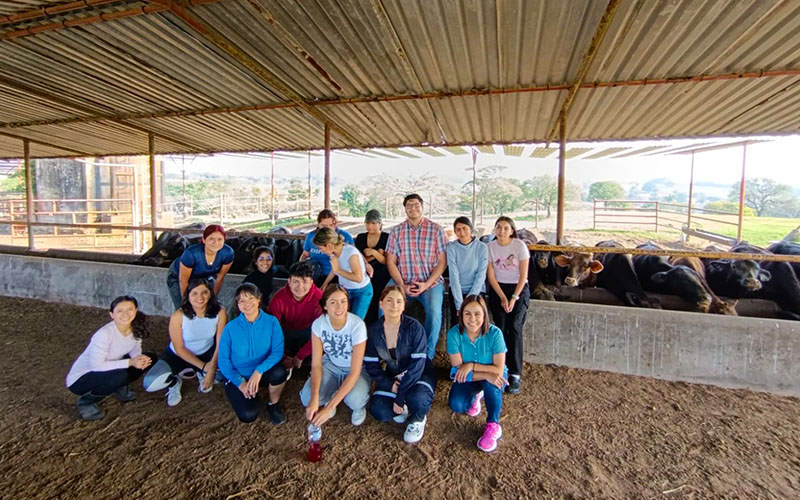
(358,416)
(401,418)
(200,376)
(415,430)
(174,393)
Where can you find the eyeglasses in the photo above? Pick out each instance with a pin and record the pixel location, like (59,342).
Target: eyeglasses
(264,258)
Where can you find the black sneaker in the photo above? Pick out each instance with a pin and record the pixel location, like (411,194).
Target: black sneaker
(276,414)
(514,385)
(124,394)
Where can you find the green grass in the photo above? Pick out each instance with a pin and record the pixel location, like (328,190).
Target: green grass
(265,227)
(758,231)
(531,218)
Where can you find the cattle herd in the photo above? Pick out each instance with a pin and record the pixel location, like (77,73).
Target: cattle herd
(709,285)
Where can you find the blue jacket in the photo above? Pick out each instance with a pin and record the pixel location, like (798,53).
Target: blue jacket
(246,347)
(411,353)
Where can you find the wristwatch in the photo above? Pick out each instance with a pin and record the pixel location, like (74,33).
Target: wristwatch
(515,297)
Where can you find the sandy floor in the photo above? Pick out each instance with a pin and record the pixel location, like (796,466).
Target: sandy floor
(571,434)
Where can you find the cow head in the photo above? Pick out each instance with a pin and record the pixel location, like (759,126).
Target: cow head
(580,266)
(541,257)
(746,273)
(723,306)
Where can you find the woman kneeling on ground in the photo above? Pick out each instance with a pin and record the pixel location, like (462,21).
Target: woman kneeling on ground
(478,357)
(194,332)
(112,360)
(250,351)
(404,388)
(338,342)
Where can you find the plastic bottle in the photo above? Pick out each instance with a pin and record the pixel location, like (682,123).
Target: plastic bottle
(314,445)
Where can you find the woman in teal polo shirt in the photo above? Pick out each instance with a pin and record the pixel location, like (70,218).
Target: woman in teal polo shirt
(478,359)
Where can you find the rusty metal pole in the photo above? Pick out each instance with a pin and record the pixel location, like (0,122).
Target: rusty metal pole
(272,187)
(691,194)
(562,163)
(309,184)
(474,181)
(26,146)
(741,193)
(151,147)
(327,167)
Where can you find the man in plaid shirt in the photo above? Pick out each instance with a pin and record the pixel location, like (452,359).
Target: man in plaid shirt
(416,260)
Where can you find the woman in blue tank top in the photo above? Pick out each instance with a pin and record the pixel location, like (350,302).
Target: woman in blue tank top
(194,332)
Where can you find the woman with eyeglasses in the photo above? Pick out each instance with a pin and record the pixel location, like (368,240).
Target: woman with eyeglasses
(262,276)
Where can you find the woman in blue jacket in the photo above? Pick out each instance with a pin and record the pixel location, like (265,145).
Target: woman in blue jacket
(250,351)
(405,387)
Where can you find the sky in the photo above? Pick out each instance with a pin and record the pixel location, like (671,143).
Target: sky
(777,158)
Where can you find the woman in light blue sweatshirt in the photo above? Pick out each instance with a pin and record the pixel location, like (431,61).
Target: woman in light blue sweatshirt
(467,260)
(250,352)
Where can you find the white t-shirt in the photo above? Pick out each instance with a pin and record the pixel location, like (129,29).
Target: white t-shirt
(338,344)
(105,352)
(344,262)
(505,259)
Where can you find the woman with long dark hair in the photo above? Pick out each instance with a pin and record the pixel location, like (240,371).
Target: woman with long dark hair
(112,360)
(194,332)
(509,295)
(477,359)
(397,361)
(262,277)
(467,260)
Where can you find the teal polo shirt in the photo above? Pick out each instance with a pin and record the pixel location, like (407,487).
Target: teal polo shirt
(481,351)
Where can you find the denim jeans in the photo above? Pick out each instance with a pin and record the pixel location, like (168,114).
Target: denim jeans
(461,396)
(431,300)
(360,299)
(419,399)
(332,378)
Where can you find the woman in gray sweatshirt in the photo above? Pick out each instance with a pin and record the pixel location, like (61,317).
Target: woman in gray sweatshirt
(467,260)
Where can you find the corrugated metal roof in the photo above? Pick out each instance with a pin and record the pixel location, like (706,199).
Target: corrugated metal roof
(269,74)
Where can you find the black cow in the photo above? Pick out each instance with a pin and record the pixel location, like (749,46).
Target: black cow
(648,265)
(537,288)
(550,273)
(783,288)
(168,247)
(619,278)
(787,248)
(717,305)
(736,278)
(287,252)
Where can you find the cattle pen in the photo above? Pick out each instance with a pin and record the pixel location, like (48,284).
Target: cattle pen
(619,402)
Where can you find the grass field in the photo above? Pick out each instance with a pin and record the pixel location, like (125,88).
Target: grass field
(758,231)
(265,227)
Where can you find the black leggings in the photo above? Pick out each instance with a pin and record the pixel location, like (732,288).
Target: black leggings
(511,323)
(247,409)
(105,383)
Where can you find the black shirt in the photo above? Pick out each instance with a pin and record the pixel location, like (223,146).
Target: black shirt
(264,283)
(380,275)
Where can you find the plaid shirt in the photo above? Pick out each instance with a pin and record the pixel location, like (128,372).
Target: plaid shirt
(417,249)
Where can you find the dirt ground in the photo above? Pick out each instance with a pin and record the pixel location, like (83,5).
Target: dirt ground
(571,434)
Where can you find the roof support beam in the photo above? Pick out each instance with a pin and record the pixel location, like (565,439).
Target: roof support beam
(255,67)
(26,147)
(66,102)
(51,10)
(402,97)
(586,63)
(73,152)
(434,127)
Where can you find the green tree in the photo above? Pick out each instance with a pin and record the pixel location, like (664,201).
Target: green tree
(606,190)
(15,183)
(348,198)
(543,188)
(728,206)
(765,196)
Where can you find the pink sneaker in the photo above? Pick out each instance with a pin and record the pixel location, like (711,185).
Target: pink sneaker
(492,432)
(475,408)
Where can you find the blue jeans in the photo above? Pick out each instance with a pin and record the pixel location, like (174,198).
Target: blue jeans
(332,378)
(461,396)
(431,300)
(419,399)
(360,299)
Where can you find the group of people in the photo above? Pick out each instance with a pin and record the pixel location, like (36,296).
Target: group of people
(353,326)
